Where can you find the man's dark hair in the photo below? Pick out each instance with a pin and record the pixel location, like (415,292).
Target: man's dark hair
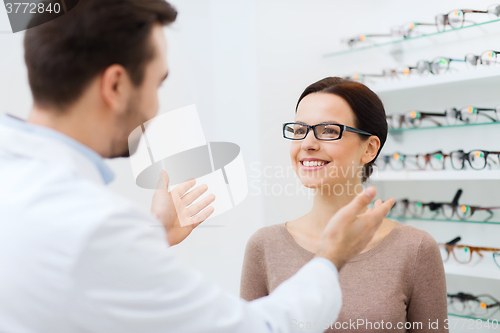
(369,112)
(64,55)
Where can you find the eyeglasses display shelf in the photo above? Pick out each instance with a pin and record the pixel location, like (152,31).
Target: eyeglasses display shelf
(424,128)
(456,80)
(468,270)
(469,317)
(404,218)
(431,37)
(418,175)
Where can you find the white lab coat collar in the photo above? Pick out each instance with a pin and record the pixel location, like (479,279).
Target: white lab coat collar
(31,146)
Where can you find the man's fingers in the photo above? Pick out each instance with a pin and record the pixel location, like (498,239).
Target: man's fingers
(382,209)
(182,188)
(360,202)
(377,203)
(198,219)
(162,181)
(182,215)
(200,205)
(191,196)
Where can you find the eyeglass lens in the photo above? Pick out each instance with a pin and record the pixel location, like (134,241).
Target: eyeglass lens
(323,132)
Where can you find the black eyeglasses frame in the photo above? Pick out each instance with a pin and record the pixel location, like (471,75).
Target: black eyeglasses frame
(313,128)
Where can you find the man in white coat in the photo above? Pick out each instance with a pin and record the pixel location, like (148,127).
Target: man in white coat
(75,257)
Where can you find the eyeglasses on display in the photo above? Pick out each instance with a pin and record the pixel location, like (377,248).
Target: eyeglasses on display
(468,304)
(433,210)
(476,159)
(409,29)
(456,18)
(406,30)
(471,115)
(418,209)
(413,119)
(463,253)
(487,58)
(451,116)
(400,161)
(397,161)
(323,131)
(438,65)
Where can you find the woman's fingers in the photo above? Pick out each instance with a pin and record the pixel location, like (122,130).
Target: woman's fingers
(377,203)
(191,196)
(200,205)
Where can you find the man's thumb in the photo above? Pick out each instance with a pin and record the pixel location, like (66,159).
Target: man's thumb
(163,181)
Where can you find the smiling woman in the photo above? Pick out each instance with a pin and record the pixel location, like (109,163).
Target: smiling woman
(338,132)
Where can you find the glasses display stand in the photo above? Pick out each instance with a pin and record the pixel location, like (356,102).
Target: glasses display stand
(404,219)
(477,29)
(401,131)
(419,175)
(460,79)
(461,85)
(479,267)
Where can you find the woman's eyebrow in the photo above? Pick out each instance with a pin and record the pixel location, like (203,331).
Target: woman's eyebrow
(325,121)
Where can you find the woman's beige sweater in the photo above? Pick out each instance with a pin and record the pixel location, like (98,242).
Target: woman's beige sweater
(399,280)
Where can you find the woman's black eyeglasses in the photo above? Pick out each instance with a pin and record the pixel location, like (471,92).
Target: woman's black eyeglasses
(323,131)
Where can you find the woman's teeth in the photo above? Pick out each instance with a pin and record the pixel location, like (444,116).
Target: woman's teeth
(313,163)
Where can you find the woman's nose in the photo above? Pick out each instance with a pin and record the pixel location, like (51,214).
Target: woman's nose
(310,142)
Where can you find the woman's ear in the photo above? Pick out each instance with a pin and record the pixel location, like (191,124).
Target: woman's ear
(372,146)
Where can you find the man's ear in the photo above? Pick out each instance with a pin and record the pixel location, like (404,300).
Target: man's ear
(115,88)
(372,146)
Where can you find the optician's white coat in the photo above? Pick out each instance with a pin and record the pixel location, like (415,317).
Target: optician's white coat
(75,257)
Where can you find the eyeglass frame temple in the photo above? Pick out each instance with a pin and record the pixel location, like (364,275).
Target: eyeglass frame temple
(483,109)
(495,301)
(497,254)
(428,115)
(354,130)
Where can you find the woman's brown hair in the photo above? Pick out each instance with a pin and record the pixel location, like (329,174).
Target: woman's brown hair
(368,109)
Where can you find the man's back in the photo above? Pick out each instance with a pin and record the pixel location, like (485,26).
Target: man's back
(57,225)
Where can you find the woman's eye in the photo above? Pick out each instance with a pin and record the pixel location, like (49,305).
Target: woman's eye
(299,131)
(330,131)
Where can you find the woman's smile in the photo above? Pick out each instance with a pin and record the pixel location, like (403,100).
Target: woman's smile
(311,164)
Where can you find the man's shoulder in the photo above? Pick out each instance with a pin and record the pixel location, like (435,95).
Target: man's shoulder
(57,197)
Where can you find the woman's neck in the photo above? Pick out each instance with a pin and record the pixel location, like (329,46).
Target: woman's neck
(325,206)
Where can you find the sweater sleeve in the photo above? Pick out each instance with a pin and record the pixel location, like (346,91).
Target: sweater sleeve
(428,303)
(254,275)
